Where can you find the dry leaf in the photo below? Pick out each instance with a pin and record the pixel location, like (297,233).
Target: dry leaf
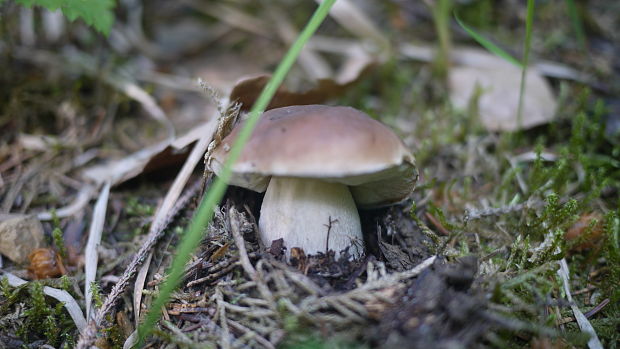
(91,255)
(464,56)
(498,102)
(219,253)
(45,263)
(247,91)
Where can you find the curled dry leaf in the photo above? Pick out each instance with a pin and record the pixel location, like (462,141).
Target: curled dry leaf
(246,91)
(497,83)
(45,263)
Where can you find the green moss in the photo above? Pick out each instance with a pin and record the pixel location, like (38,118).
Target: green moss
(611,252)
(42,317)
(135,208)
(96,294)
(59,242)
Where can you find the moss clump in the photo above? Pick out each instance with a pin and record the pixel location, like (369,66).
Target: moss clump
(34,316)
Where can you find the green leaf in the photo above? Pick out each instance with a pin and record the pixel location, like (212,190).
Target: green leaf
(486,43)
(51,5)
(95,13)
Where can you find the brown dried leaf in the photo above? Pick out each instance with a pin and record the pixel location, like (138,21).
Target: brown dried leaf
(45,263)
(246,91)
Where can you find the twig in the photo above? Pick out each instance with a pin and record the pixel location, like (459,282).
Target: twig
(256,313)
(81,200)
(180,337)
(216,275)
(329,229)
(471,215)
(596,309)
(437,224)
(252,335)
(245,260)
(225,338)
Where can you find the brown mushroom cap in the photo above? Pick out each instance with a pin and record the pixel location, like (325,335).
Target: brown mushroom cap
(336,144)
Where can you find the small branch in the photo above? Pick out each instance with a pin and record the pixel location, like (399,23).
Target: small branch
(475,214)
(329,228)
(225,338)
(251,334)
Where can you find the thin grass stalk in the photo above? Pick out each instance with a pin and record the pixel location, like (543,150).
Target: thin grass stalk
(526,57)
(486,43)
(441,16)
(205,212)
(577,23)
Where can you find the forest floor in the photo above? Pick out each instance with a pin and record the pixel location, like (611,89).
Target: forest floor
(511,238)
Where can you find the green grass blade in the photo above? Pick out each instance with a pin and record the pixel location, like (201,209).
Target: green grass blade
(441,18)
(526,56)
(575,19)
(205,212)
(486,43)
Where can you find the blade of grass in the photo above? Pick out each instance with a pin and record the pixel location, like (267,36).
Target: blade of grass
(575,19)
(486,43)
(526,57)
(205,212)
(441,17)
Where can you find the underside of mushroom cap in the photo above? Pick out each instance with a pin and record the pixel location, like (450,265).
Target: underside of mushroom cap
(336,144)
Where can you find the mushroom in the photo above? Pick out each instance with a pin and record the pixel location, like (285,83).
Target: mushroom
(315,163)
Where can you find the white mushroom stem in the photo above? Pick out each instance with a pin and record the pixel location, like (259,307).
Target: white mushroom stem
(310,214)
